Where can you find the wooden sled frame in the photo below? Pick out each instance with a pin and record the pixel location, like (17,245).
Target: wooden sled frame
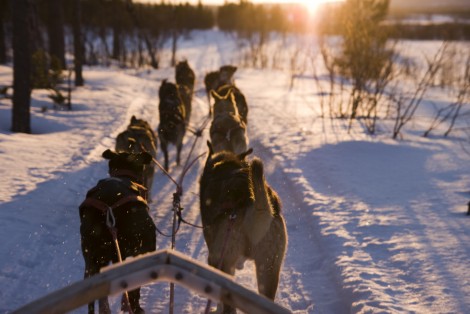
(162,265)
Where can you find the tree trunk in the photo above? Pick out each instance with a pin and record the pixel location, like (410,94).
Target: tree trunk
(22,31)
(174,47)
(77,42)
(56,31)
(116,43)
(3,48)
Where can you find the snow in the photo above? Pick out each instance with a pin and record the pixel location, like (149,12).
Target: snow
(375,225)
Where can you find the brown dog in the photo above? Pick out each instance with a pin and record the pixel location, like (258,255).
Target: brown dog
(222,81)
(184,75)
(228,131)
(172,127)
(185,79)
(242,218)
(139,137)
(121,194)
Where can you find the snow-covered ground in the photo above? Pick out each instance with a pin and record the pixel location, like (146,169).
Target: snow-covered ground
(375,225)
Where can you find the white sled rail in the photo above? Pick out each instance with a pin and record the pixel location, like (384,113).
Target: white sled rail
(163,265)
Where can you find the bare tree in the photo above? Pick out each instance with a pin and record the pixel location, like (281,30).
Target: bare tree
(151,50)
(461,81)
(77,42)
(406,107)
(56,32)
(22,38)
(3,47)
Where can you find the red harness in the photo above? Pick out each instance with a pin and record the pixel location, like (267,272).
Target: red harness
(100,205)
(92,202)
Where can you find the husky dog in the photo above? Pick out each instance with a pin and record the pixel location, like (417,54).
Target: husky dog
(228,131)
(242,219)
(122,195)
(222,81)
(184,75)
(139,137)
(185,79)
(172,125)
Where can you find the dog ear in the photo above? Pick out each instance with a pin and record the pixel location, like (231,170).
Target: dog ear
(243,155)
(133,119)
(211,149)
(109,154)
(144,157)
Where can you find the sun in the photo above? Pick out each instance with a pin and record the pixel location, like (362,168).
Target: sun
(313,5)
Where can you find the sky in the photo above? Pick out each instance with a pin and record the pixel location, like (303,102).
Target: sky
(375,225)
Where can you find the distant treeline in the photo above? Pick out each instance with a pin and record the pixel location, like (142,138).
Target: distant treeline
(443,31)
(125,28)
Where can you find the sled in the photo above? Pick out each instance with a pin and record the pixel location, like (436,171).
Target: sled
(162,265)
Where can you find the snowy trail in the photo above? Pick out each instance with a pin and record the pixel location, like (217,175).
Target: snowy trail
(375,225)
(308,283)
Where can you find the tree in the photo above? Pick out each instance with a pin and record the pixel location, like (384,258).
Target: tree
(77,42)
(365,54)
(22,23)
(56,31)
(3,47)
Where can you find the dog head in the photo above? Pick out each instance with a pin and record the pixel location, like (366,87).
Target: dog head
(168,91)
(182,66)
(211,80)
(226,73)
(129,162)
(139,123)
(184,74)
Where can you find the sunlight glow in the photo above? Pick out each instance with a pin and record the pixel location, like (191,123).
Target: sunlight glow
(311,5)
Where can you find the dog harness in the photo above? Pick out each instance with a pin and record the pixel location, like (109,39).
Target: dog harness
(114,192)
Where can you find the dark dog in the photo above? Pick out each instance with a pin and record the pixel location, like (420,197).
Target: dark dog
(172,125)
(184,75)
(242,219)
(122,195)
(228,131)
(139,137)
(222,81)
(185,79)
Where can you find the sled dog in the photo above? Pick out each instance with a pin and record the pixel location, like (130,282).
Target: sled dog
(172,125)
(242,219)
(222,81)
(120,197)
(139,137)
(185,79)
(227,131)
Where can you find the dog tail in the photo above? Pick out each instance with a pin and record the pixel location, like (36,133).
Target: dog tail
(258,219)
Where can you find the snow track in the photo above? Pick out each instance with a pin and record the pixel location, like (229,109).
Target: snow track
(374,225)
